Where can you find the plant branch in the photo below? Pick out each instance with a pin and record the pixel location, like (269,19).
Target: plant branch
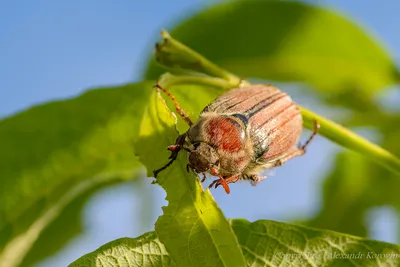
(167,80)
(177,56)
(350,140)
(173,53)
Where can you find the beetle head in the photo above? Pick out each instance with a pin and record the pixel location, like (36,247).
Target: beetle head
(203,157)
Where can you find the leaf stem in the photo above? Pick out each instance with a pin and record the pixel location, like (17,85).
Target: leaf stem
(350,140)
(177,56)
(167,79)
(329,129)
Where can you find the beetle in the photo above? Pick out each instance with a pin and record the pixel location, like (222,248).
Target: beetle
(240,133)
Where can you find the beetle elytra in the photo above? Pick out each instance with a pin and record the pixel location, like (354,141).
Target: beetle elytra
(240,133)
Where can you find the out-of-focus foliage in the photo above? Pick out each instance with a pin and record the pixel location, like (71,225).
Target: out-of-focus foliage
(50,149)
(356,184)
(287,41)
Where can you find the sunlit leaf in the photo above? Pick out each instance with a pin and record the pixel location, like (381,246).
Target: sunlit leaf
(145,251)
(264,243)
(192,227)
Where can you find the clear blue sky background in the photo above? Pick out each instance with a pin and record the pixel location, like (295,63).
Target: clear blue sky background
(57,49)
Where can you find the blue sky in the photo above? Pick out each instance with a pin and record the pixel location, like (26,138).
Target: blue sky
(56,49)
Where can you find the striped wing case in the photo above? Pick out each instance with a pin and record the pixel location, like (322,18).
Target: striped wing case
(273,120)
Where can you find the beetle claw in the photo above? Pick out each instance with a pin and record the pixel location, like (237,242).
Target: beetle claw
(224,185)
(219,182)
(204,177)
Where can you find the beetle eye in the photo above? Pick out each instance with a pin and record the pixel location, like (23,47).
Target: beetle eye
(196,145)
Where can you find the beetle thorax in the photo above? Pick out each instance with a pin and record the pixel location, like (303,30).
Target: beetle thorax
(220,143)
(203,158)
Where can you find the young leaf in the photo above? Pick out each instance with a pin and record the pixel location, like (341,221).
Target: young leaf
(285,41)
(192,228)
(49,149)
(145,251)
(264,243)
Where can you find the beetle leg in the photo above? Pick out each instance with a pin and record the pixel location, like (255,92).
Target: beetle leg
(232,179)
(204,177)
(294,153)
(220,181)
(315,131)
(188,167)
(299,150)
(255,179)
(174,153)
(213,183)
(224,182)
(177,107)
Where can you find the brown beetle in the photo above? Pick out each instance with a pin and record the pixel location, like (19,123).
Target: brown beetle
(240,133)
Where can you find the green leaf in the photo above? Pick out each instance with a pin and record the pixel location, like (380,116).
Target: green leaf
(192,227)
(286,41)
(264,243)
(70,217)
(48,150)
(144,251)
(14,252)
(269,243)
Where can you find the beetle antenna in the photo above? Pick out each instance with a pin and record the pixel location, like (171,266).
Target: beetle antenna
(315,131)
(177,107)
